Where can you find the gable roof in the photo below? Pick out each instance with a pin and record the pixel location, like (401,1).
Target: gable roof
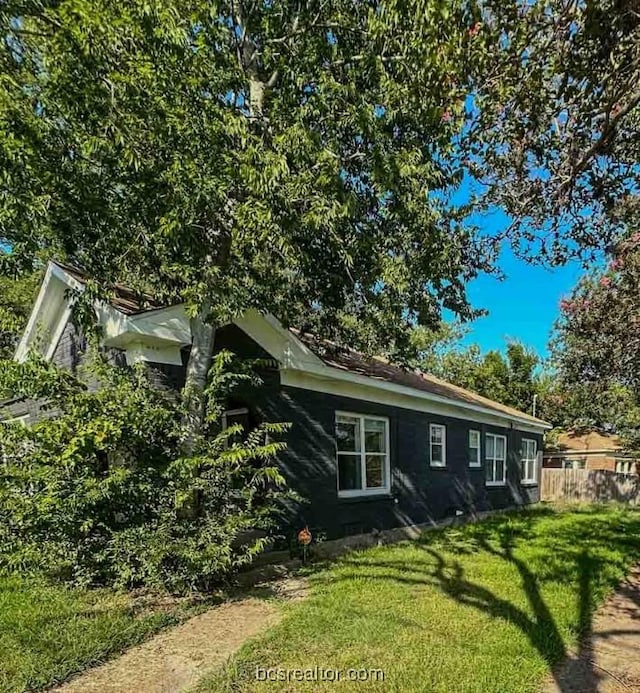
(380,369)
(127,318)
(121,297)
(148,331)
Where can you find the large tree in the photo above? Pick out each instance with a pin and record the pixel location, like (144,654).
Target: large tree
(597,345)
(554,120)
(292,157)
(598,334)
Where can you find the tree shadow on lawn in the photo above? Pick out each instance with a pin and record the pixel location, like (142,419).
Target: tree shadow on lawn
(570,551)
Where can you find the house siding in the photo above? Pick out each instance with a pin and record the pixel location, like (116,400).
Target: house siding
(70,354)
(419,493)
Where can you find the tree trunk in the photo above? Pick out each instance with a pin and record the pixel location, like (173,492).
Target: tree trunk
(203,335)
(193,395)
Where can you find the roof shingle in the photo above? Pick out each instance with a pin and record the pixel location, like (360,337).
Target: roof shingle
(380,369)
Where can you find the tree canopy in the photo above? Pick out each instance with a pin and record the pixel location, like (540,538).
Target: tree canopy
(305,159)
(293,158)
(597,345)
(17,295)
(234,155)
(511,378)
(554,120)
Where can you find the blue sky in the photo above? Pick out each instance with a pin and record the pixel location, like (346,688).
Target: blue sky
(523,306)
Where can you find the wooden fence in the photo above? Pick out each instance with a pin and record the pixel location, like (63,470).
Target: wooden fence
(596,486)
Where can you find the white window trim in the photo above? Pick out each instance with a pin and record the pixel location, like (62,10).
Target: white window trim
(478,464)
(383,490)
(444,445)
(232,412)
(525,480)
(627,466)
(494,458)
(225,421)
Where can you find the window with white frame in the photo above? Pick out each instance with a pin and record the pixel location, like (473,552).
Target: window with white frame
(475,458)
(625,466)
(362,444)
(495,459)
(236,417)
(529,461)
(437,445)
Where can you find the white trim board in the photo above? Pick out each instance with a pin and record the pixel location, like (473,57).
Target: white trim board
(50,313)
(336,382)
(160,334)
(154,336)
(579,453)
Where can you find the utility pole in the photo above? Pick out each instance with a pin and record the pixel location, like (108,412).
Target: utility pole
(535,400)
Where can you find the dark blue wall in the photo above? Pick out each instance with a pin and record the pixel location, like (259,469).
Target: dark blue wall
(419,492)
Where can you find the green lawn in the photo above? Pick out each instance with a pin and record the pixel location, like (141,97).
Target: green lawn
(488,607)
(49,632)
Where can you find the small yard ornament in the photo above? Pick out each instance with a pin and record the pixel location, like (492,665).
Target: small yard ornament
(304,539)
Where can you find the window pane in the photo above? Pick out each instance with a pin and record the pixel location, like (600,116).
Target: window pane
(436,453)
(474,456)
(374,435)
(348,434)
(349,472)
(500,448)
(499,470)
(436,434)
(490,446)
(474,439)
(529,449)
(489,471)
(375,471)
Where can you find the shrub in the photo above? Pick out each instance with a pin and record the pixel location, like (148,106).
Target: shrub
(99,494)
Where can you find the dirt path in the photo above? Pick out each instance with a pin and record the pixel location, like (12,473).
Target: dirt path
(176,659)
(609,658)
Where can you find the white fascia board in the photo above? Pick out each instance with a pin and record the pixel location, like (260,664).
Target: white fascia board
(165,326)
(300,365)
(580,453)
(27,335)
(49,302)
(141,352)
(347,384)
(281,344)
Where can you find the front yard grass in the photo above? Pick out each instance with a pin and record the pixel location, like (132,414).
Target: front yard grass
(48,632)
(488,607)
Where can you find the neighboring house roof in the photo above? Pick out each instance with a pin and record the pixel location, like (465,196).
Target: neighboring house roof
(584,442)
(149,332)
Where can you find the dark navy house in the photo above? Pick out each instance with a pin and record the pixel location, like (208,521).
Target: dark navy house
(371,446)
